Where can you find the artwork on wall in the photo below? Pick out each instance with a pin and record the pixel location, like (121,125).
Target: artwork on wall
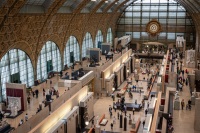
(16,94)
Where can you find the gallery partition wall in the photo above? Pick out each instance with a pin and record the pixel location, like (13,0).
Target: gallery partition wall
(15,67)
(49,60)
(173,18)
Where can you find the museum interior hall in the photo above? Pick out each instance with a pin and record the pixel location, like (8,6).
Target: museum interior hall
(99,66)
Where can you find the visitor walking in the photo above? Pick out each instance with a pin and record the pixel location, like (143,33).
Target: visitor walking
(110,108)
(50,83)
(57,94)
(146,111)
(115,107)
(28,99)
(182,104)
(114,119)
(1,116)
(33,93)
(133,111)
(21,122)
(36,93)
(183,73)
(111,114)
(111,125)
(26,117)
(143,123)
(118,115)
(43,92)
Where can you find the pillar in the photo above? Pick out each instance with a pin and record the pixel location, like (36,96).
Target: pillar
(121,121)
(125,123)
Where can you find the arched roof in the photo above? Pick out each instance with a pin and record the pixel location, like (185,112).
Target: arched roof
(35,21)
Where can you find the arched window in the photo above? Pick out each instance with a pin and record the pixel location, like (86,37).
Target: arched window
(71,49)
(99,38)
(49,60)
(15,67)
(87,43)
(109,36)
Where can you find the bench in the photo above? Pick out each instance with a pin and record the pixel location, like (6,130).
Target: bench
(102,117)
(122,91)
(137,125)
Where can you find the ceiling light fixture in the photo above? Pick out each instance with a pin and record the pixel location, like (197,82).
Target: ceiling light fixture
(106,1)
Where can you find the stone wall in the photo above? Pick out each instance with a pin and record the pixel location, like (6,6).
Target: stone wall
(29,32)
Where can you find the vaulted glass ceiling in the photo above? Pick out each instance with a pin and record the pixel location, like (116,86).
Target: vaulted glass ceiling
(42,6)
(36,6)
(69,6)
(90,5)
(171,15)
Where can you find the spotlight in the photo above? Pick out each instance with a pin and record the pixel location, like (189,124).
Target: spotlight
(113,88)
(86,123)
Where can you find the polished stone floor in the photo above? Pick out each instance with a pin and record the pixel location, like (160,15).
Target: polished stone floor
(101,107)
(34,102)
(183,120)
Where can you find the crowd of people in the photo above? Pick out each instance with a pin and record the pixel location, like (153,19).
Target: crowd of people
(35,94)
(181,79)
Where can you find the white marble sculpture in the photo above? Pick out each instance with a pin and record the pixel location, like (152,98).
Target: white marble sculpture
(180,41)
(152,71)
(190,56)
(135,71)
(14,105)
(176,95)
(97,119)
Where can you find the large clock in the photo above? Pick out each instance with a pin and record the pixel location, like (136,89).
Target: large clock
(153,27)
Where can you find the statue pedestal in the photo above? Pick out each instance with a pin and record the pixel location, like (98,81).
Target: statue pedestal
(193,100)
(176,105)
(2,107)
(97,129)
(130,122)
(133,125)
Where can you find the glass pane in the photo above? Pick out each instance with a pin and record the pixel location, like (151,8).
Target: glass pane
(171,15)
(49,52)
(15,61)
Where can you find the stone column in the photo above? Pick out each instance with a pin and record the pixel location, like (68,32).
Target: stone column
(138,46)
(197,115)
(184,47)
(115,43)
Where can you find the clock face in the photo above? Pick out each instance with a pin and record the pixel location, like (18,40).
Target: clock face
(153,27)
